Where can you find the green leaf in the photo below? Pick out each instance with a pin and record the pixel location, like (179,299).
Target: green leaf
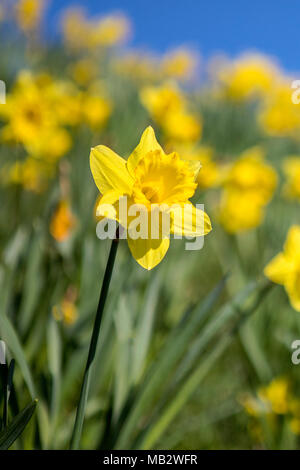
(9,335)
(17,426)
(177,342)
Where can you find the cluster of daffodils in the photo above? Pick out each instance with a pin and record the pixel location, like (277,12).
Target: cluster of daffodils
(274,400)
(81,32)
(150,180)
(168,108)
(39,114)
(178,65)
(248,187)
(256,77)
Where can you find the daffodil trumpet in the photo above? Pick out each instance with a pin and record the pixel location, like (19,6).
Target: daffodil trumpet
(76,435)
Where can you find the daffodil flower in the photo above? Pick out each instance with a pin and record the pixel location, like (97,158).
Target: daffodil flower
(149,178)
(284,269)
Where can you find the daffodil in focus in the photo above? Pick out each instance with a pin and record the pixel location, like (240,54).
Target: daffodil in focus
(284,269)
(210,174)
(151,180)
(291,168)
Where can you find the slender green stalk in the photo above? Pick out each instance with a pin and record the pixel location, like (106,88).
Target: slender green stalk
(93,345)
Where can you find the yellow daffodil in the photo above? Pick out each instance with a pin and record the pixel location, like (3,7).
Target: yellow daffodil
(284,269)
(66,311)
(109,31)
(162,100)
(29,13)
(168,107)
(150,179)
(95,110)
(279,116)
(179,64)
(238,212)
(136,66)
(248,77)
(83,71)
(62,222)
(209,175)
(83,33)
(291,168)
(276,394)
(182,126)
(31,174)
(251,173)
(248,186)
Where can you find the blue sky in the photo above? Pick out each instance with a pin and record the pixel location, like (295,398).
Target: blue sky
(210,26)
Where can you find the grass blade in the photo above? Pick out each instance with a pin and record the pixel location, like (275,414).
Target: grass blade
(17,426)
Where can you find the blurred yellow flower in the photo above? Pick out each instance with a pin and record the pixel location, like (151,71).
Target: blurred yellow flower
(35,111)
(249,76)
(29,13)
(149,178)
(83,71)
(279,116)
(276,394)
(138,67)
(95,110)
(162,100)
(248,186)
(179,64)
(295,425)
(291,168)
(30,173)
(83,33)
(66,311)
(252,174)
(167,106)
(109,31)
(63,222)
(182,126)
(284,269)
(238,211)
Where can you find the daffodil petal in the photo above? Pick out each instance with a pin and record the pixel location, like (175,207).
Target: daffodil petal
(148,253)
(147,143)
(187,220)
(108,205)
(109,170)
(292,286)
(292,244)
(278,269)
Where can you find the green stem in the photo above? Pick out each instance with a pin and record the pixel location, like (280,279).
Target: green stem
(93,345)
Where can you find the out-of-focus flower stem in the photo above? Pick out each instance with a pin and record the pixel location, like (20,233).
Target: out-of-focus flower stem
(75,440)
